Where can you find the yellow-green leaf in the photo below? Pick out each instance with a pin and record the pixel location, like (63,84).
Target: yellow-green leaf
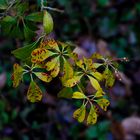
(43,76)
(80,64)
(94,83)
(51,63)
(103,103)
(80,113)
(72,81)
(97,65)
(110,79)
(47,22)
(34,93)
(67,71)
(40,54)
(56,70)
(17,74)
(78,95)
(97,75)
(99,93)
(92,116)
(52,44)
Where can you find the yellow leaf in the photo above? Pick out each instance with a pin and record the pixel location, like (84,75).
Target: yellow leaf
(99,93)
(78,95)
(52,44)
(43,76)
(103,103)
(67,71)
(92,116)
(80,113)
(94,83)
(34,93)
(56,70)
(97,65)
(80,64)
(96,56)
(97,75)
(40,54)
(110,80)
(17,74)
(72,81)
(51,64)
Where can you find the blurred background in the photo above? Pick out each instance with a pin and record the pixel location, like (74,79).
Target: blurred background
(110,27)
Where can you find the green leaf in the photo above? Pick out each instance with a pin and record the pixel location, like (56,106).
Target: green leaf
(28,33)
(25,52)
(66,92)
(35,17)
(78,95)
(48,22)
(3,4)
(80,113)
(92,116)
(21,8)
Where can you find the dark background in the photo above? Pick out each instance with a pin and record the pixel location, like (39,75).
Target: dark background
(110,27)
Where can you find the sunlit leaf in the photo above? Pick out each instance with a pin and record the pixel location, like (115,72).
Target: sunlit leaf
(103,103)
(55,70)
(97,65)
(80,64)
(110,79)
(17,74)
(52,63)
(94,83)
(99,93)
(67,71)
(43,76)
(96,56)
(34,93)
(92,116)
(52,44)
(97,75)
(72,81)
(78,95)
(40,54)
(80,113)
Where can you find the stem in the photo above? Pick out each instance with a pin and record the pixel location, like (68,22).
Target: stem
(50,8)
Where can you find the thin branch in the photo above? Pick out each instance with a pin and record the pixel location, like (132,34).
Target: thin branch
(50,8)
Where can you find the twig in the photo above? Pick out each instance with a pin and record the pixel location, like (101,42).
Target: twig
(50,8)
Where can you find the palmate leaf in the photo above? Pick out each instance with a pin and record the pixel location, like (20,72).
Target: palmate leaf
(17,74)
(92,116)
(52,44)
(78,95)
(103,103)
(34,93)
(80,113)
(43,76)
(95,83)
